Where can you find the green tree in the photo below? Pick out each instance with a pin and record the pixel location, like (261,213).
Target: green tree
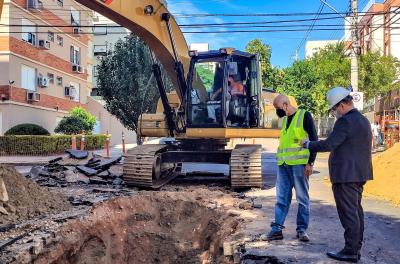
(300,81)
(378,74)
(125,83)
(79,121)
(270,76)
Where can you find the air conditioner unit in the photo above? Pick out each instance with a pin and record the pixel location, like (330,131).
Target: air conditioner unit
(75,67)
(33,97)
(43,81)
(80,69)
(76,31)
(69,91)
(44,44)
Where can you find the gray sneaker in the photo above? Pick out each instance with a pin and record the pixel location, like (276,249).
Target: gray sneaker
(302,236)
(272,235)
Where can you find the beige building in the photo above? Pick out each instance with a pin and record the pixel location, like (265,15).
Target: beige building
(314,46)
(46,61)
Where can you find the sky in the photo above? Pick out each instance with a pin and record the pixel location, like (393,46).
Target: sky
(283,44)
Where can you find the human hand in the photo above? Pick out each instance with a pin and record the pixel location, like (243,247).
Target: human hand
(308,170)
(304,143)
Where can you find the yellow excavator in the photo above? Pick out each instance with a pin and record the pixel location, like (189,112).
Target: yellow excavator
(218,96)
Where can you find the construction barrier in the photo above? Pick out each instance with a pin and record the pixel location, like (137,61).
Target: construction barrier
(45,145)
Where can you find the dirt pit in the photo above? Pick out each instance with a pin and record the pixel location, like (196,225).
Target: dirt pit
(152,227)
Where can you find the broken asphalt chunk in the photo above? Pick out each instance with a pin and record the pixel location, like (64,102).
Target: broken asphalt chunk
(55,160)
(86,170)
(78,154)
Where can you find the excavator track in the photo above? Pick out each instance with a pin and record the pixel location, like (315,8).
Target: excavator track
(143,167)
(245,166)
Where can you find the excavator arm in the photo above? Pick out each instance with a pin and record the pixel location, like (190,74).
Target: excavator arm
(1,6)
(151,21)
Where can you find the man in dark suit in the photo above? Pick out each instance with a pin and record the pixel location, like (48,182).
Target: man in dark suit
(350,166)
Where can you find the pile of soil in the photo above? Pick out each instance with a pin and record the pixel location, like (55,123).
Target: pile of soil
(386,183)
(152,227)
(28,199)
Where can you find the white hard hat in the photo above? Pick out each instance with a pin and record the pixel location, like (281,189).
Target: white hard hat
(335,95)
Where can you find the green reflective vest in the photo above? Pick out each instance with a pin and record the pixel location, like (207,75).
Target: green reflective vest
(290,150)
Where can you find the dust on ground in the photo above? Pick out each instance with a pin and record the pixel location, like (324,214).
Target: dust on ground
(386,183)
(27,199)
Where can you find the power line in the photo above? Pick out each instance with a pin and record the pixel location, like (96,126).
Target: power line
(321,7)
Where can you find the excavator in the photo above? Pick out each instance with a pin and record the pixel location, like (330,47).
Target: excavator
(217,96)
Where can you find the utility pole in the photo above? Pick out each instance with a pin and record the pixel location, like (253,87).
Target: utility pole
(354,46)
(297,55)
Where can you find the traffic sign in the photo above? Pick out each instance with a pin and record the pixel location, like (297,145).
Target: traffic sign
(358,100)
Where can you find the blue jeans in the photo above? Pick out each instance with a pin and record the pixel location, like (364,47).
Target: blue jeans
(290,176)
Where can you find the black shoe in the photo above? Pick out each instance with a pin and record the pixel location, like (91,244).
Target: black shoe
(344,257)
(272,235)
(302,236)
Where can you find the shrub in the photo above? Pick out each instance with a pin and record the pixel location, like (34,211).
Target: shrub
(46,145)
(80,121)
(27,129)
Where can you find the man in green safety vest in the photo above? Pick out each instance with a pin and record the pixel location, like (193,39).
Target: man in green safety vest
(295,166)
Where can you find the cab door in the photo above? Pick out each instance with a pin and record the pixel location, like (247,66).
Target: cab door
(255,107)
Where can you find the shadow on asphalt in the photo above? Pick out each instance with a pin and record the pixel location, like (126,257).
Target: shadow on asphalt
(381,236)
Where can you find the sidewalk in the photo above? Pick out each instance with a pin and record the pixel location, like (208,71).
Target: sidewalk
(115,151)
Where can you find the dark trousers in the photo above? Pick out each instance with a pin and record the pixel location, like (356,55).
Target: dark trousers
(348,203)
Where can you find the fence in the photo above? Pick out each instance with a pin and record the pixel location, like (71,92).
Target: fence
(45,145)
(324,125)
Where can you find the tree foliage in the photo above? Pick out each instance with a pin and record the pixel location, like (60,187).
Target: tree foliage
(310,79)
(79,121)
(377,74)
(271,76)
(125,83)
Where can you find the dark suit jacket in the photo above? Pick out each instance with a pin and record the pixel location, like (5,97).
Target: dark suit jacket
(350,147)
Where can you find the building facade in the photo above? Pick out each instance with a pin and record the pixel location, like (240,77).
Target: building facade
(314,46)
(47,65)
(379,31)
(43,61)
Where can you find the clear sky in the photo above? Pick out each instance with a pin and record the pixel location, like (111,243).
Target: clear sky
(283,43)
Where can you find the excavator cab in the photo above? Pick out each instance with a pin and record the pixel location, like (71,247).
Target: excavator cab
(224,90)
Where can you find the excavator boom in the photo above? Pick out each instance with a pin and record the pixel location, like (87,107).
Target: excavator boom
(145,19)
(1,6)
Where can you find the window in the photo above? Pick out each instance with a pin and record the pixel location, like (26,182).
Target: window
(60,40)
(28,78)
(75,17)
(75,95)
(50,36)
(100,50)
(28,31)
(59,80)
(60,2)
(95,71)
(51,77)
(75,56)
(100,29)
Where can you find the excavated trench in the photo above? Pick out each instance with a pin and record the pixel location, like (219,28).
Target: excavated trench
(149,228)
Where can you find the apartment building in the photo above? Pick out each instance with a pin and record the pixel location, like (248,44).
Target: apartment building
(314,46)
(381,33)
(46,62)
(43,61)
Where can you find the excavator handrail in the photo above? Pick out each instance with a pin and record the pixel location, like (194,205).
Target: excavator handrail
(144,19)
